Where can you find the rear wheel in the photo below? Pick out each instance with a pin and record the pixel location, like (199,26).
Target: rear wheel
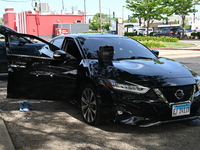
(90,105)
(185,37)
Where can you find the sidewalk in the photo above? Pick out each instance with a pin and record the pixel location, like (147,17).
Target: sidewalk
(193,51)
(5,140)
(180,53)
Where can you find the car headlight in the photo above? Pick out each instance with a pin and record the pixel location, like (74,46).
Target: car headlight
(127,87)
(198,85)
(197,78)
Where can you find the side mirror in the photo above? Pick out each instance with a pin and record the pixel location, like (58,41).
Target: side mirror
(59,55)
(105,55)
(156,52)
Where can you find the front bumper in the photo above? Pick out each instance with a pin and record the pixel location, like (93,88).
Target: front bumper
(146,113)
(168,121)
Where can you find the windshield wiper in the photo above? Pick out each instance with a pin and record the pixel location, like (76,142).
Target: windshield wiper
(133,57)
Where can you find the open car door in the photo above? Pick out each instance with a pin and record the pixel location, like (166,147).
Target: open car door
(32,75)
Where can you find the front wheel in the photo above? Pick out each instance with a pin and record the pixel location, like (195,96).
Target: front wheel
(90,105)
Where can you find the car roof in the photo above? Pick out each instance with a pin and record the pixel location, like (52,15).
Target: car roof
(91,35)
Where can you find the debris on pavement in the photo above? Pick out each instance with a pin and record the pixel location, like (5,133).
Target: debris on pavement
(25,106)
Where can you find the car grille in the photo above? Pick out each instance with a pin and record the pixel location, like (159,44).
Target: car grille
(169,93)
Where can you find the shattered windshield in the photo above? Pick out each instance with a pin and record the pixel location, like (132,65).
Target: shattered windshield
(123,47)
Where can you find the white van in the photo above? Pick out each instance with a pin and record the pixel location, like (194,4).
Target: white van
(143,31)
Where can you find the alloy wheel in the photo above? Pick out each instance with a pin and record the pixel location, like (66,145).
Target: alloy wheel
(89,105)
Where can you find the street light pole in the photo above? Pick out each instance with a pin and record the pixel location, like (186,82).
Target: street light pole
(122,13)
(63,5)
(84,11)
(109,15)
(100,15)
(194,15)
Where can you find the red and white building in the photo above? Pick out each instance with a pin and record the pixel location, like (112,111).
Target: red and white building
(43,25)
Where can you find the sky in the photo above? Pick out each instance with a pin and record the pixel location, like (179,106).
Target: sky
(92,6)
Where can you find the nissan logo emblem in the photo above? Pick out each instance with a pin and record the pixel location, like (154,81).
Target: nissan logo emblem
(179,94)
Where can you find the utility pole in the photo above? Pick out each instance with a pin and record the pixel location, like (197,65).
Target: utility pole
(194,15)
(36,8)
(63,8)
(109,16)
(85,11)
(100,15)
(122,13)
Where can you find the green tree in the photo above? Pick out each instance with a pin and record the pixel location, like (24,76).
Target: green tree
(106,26)
(131,19)
(1,21)
(149,10)
(187,25)
(176,22)
(182,8)
(94,25)
(95,22)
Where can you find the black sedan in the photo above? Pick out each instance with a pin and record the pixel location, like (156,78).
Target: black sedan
(110,77)
(169,31)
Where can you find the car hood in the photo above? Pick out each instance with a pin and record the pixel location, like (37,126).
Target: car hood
(159,72)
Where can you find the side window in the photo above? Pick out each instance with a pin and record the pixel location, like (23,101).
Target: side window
(14,39)
(24,45)
(72,49)
(3,58)
(46,52)
(165,30)
(2,41)
(58,42)
(19,40)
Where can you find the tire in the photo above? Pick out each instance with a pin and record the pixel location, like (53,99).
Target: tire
(186,37)
(90,105)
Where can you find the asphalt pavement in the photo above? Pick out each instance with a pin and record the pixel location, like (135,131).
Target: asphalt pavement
(192,51)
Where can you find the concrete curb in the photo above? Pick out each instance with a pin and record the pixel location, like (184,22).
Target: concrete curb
(185,49)
(178,53)
(5,140)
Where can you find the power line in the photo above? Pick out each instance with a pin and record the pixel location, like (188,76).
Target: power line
(16,0)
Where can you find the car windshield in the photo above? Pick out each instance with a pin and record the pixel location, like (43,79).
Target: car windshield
(123,47)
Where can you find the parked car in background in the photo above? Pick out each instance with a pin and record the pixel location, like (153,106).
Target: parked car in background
(187,34)
(110,77)
(143,31)
(169,31)
(112,32)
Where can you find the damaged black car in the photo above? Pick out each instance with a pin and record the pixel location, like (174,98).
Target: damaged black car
(19,45)
(110,77)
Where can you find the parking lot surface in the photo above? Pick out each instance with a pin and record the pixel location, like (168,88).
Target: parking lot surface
(57,125)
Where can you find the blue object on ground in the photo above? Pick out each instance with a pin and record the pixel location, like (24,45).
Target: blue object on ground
(25,106)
